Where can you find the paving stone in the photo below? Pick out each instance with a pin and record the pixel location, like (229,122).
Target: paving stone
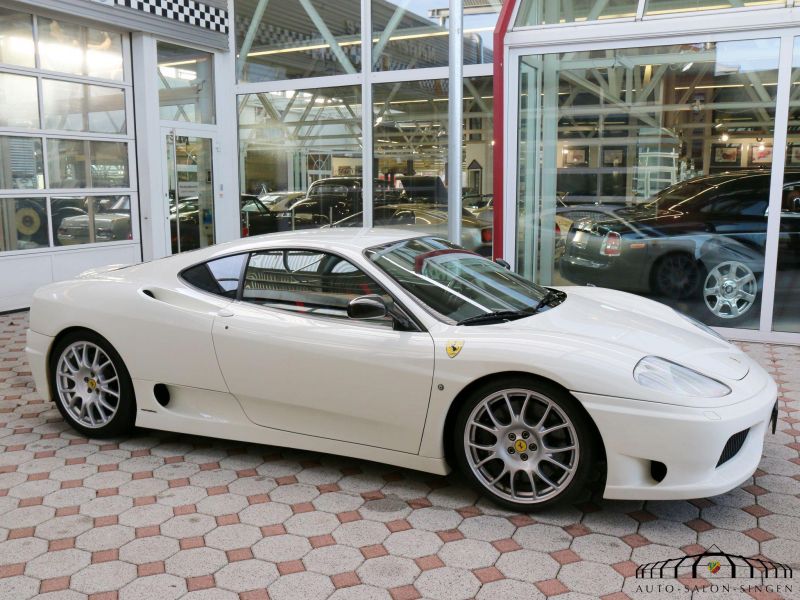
(447,583)
(184,526)
(195,562)
(252,486)
(361,592)
(21,550)
(413,543)
(508,589)
(306,585)
(229,537)
(282,548)
(312,523)
(102,577)
(222,504)
(149,549)
(487,528)
(330,560)
(541,537)
(388,571)
(528,565)
(143,516)
(19,587)
(435,519)
(338,502)
(468,554)
(361,533)
(269,513)
(669,533)
(163,587)
(60,563)
(591,578)
(245,575)
(105,538)
(64,527)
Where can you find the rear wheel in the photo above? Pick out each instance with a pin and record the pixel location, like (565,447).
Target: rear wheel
(91,386)
(730,292)
(677,276)
(524,443)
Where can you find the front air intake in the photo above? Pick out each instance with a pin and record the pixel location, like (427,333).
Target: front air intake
(161,393)
(732,446)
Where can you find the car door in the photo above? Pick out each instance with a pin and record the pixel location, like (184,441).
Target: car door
(296,362)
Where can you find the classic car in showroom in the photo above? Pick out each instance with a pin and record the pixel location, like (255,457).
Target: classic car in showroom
(702,239)
(389,346)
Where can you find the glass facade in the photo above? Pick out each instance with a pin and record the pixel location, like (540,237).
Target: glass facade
(652,169)
(291,39)
(65,137)
(786,310)
(185,84)
(303,155)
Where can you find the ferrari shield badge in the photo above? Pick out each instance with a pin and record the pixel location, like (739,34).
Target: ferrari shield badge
(454,347)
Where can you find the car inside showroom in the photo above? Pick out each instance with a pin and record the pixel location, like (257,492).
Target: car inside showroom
(399,299)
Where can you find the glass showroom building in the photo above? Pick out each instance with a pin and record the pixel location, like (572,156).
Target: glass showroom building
(651,146)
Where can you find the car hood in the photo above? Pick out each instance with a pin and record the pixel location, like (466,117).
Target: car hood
(624,320)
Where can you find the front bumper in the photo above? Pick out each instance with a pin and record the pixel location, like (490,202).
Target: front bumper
(688,441)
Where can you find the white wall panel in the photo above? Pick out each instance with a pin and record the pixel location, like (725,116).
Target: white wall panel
(22,274)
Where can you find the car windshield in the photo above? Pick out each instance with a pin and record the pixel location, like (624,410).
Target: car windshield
(453,282)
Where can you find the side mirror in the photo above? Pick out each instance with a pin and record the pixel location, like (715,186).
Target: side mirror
(371,306)
(502,263)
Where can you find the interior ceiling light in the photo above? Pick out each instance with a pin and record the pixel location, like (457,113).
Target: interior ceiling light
(687,66)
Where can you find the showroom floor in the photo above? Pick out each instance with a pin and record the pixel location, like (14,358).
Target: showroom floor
(160,516)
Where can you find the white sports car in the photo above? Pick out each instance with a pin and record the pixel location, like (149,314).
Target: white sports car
(409,351)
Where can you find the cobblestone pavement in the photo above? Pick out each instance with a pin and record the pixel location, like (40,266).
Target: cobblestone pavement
(159,516)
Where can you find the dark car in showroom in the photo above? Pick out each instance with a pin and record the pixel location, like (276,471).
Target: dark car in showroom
(476,235)
(259,214)
(702,240)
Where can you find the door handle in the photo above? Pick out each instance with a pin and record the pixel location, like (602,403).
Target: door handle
(224,312)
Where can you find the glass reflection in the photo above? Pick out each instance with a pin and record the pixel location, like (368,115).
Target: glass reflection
(648,170)
(21,164)
(786,309)
(19,102)
(87,164)
(290,39)
(23,224)
(16,43)
(185,84)
(91,219)
(664,7)
(81,107)
(301,158)
(70,48)
(551,12)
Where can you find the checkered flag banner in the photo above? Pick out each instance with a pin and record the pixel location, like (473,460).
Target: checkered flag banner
(183,11)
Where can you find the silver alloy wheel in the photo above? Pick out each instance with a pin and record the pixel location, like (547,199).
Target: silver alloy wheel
(521,446)
(730,289)
(88,384)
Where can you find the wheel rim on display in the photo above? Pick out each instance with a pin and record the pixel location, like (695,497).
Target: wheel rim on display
(677,276)
(88,384)
(730,289)
(521,446)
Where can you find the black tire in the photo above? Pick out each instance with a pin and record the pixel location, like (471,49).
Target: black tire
(123,419)
(584,473)
(677,276)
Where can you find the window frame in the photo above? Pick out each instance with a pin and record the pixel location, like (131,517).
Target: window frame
(413,323)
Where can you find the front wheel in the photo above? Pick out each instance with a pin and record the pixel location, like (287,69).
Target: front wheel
(91,386)
(527,444)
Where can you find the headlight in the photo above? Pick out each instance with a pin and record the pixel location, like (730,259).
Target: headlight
(666,376)
(702,326)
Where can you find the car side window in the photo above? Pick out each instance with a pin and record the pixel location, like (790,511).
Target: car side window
(306,281)
(219,276)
